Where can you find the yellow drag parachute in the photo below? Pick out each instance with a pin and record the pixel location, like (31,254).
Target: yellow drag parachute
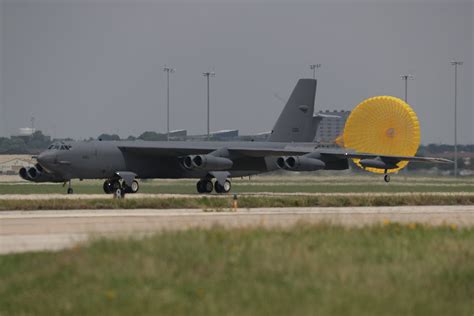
(382,125)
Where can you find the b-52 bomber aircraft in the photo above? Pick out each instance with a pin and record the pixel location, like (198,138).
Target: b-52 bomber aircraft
(290,146)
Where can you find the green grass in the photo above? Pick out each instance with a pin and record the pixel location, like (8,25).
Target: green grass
(223,202)
(304,270)
(304,184)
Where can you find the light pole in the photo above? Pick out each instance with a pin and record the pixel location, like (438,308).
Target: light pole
(208,75)
(313,67)
(456,64)
(168,70)
(406,78)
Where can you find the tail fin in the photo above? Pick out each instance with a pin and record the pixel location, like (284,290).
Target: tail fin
(295,123)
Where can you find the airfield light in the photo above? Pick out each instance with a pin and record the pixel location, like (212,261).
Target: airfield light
(313,67)
(168,70)
(208,75)
(406,78)
(456,64)
(235,202)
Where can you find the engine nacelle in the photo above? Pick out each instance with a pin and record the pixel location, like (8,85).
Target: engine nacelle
(207,162)
(24,174)
(377,163)
(37,174)
(33,173)
(300,163)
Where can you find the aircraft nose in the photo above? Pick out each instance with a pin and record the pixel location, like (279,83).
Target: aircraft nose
(46,158)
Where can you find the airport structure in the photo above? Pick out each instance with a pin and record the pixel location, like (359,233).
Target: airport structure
(332,127)
(11,164)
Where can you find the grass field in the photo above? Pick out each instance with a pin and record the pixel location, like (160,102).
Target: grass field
(279,184)
(220,203)
(304,270)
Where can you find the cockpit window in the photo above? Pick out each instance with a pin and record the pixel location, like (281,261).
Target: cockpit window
(59,146)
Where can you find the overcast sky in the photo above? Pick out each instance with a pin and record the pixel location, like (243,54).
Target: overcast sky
(86,67)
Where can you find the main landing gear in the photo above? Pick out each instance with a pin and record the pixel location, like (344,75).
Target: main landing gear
(206,186)
(119,188)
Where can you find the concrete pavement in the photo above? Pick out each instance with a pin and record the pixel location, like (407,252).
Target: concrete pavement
(51,230)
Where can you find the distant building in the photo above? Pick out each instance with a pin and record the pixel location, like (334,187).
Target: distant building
(330,127)
(26,131)
(223,135)
(11,164)
(180,134)
(227,134)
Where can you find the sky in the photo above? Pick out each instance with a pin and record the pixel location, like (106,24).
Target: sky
(82,68)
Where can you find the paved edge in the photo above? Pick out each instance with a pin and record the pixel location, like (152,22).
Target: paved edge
(22,231)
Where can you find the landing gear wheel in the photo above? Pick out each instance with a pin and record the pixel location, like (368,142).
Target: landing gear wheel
(200,186)
(130,189)
(223,188)
(204,186)
(135,187)
(108,189)
(207,185)
(227,186)
(386,178)
(219,188)
(115,185)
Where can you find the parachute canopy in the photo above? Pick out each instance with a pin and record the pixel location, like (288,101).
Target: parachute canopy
(382,125)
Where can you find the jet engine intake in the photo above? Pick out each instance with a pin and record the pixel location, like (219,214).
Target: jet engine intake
(300,163)
(24,174)
(33,173)
(37,174)
(207,162)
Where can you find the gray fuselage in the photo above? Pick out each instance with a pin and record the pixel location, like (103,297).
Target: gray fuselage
(102,159)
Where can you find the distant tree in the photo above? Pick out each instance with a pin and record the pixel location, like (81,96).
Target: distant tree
(16,145)
(108,137)
(131,137)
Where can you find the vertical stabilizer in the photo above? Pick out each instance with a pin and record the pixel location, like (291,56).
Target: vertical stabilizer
(295,123)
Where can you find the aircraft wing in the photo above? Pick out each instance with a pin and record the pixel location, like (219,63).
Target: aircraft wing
(384,157)
(260,151)
(191,149)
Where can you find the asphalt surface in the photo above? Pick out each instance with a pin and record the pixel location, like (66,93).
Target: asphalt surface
(196,195)
(52,230)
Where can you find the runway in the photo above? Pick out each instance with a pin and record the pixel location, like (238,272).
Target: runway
(53,196)
(52,230)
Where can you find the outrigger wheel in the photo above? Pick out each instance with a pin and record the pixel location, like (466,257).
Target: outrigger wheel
(382,125)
